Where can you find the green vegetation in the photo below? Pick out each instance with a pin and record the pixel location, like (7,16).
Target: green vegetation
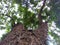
(26,12)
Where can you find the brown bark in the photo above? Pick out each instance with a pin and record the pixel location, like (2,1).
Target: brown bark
(19,36)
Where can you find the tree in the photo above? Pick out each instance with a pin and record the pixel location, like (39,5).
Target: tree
(38,34)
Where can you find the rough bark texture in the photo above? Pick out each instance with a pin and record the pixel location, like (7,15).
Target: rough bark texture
(20,36)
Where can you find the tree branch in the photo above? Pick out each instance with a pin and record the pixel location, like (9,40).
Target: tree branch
(41,10)
(7,15)
(11,18)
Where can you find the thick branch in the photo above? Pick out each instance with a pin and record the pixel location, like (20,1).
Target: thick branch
(41,10)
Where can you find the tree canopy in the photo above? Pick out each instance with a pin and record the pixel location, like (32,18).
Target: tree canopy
(26,12)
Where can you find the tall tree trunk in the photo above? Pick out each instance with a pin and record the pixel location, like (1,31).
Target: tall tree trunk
(19,36)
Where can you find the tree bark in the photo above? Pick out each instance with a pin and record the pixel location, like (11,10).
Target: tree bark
(20,36)
(40,12)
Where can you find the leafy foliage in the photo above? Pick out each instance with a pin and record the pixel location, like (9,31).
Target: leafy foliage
(56,9)
(26,12)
